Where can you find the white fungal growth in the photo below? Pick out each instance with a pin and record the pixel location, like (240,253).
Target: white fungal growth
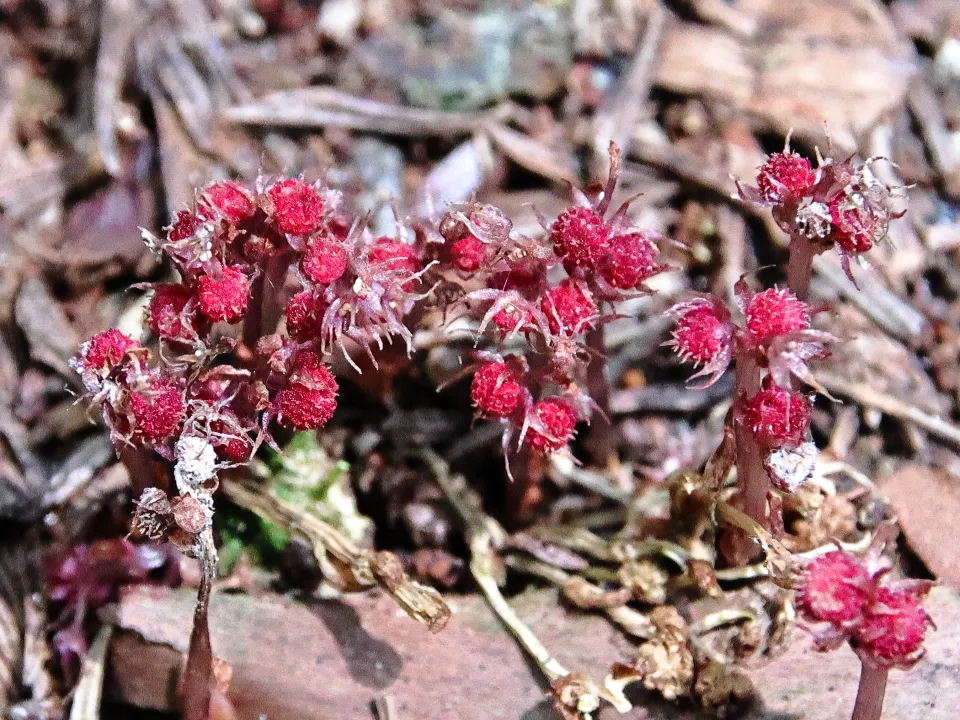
(196,462)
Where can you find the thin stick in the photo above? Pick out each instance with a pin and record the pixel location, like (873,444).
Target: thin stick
(873,685)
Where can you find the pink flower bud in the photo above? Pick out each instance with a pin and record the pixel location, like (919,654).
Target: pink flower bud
(785,175)
(168,317)
(310,396)
(629,261)
(569,308)
(387,254)
(156,409)
(777,417)
(224,299)
(700,335)
(854,229)
(579,236)
(469,254)
(771,313)
(553,423)
(184,226)
(324,262)
(836,588)
(230,199)
(101,352)
(893,629)
(497,391)
(297,206)
(305,316)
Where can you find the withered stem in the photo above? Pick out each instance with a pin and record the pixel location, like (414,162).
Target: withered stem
(873,685)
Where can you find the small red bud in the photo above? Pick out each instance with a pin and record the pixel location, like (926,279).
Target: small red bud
(184,226)
(569,308)
(579,237)
(777,417)
(552,425)
(104,350)
(496,391)
(297,206)
(230,199)
(167,316)
(157,409)
(629,261)
(785,175)
(699,335)
(469,254)
(835,588)
(324,262)
(310,396)
(224,299)
(853,228)
(305,316)
(893,629)
(387,254)
(774,312)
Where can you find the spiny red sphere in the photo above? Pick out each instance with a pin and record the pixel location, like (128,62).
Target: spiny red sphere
(524,277)
(310,396)
(388,254)
(233,445)
(775,312)
(156,409)
(104,350)
(224,299)
(497,391)
(552,426)
(324,262)
(469,254)
(305,316)
(297,206)
(699,335)
(579,237)
(777,417)
(853,228)
(167,315)
(185,225)
(231,199)
(569,308)
(785,174)
(629,261)
(893,628)
(836,588)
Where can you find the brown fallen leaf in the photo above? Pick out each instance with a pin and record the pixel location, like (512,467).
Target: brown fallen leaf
(926,501)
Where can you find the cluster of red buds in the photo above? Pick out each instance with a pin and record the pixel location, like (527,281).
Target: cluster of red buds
(844,598)
(234,251)
(541,395)
(836,204)
(771,346)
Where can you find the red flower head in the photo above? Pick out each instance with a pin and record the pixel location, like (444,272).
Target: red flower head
(184,226)
(170,318)
(854,229)
(785,175)
(777,417)
(569,308)
(230,199)
(101,352)
(553,423)
(224,299)
(156,409)
(703,336)
(469,254)
(305,316)
(308,400)
(297,206)
(388,254)
(771,313)
(579,236)
(629,261)
(324,262)
(836,588)
(497,391)
(893,628)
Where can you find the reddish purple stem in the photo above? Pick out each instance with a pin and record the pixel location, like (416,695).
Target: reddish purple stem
(873,685)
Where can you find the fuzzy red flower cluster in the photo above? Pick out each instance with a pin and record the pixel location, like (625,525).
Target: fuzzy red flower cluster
(540,394)
(837,204)
(845,600)
(233,251)
(774,337)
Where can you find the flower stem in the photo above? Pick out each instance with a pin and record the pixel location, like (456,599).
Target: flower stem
(752,480)
(600,439)
(873,685)
(800,266)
